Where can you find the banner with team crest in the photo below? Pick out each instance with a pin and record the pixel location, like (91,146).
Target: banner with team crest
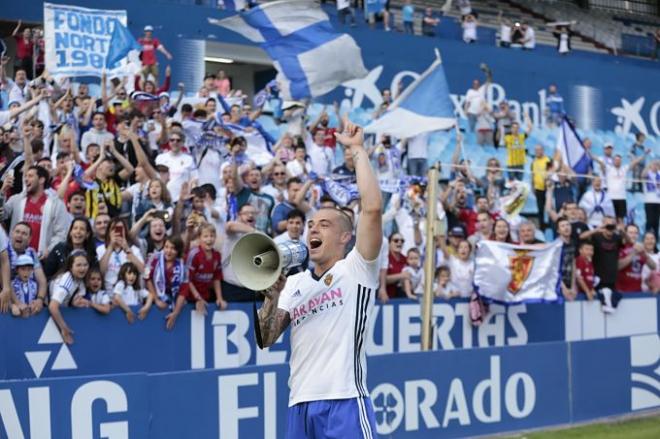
(508,273)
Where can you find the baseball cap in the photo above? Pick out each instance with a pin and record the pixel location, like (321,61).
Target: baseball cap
(162,168)
(457,232)
(24,260)
(148,28)
(115,102)
(609,145)
(164,95)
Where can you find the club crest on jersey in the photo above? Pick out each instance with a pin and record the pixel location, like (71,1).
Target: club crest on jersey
(327,280)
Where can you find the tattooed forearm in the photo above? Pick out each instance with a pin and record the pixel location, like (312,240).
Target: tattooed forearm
(272,321)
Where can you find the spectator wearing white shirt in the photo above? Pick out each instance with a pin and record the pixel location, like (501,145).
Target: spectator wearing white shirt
(505,31)
(596,203)
(418,154)
(300,166)
(69,289)
(470,29)
(116,251)
(320,156)
(180,164)
(615,175)
(474,100)
(98,134)
(529,37)
(295,226)
(19,89)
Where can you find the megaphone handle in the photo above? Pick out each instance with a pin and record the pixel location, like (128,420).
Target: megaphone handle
(257,327)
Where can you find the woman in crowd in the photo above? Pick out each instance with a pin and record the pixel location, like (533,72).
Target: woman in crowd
(68,289)
(117,250)
(502,232)
(79,237)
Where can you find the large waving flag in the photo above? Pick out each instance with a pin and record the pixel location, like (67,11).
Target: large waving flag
(422,107)
(121,43)
(508,273)
(311,58)
(571,148)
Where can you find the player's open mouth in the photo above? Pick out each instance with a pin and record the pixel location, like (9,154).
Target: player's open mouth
(315,243)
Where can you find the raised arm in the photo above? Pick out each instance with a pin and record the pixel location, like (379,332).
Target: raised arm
(370,228)
(18,27)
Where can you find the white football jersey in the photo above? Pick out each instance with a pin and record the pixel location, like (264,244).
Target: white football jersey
(329,326)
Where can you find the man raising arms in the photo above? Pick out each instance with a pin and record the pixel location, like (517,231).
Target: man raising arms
(328,310)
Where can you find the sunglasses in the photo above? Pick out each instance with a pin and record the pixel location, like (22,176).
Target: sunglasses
(398,240)
(174,139)
(279,173)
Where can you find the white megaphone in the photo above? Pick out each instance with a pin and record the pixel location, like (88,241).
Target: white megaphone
(258,261)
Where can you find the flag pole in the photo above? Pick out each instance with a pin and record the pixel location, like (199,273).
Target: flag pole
(429,261)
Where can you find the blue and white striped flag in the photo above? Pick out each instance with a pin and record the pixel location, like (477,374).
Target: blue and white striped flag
(257,145)
(311,58)
(571,148)
(422,107)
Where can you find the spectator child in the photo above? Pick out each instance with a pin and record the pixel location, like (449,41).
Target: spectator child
(584,270)
(461,267)
(68,289)
(127,291)
(166,278)
(443,286)
(204,268)
(413,285)
(25,286)
(98,298)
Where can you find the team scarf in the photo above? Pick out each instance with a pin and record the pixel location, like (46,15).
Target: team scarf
(160,279)
(341,193)
(26,292)
(78,173)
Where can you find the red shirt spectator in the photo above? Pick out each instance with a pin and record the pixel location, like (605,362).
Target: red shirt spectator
(585,269)
(149,47)
(24,47)
(629,279)
(33,214)
(395,266)
(202,271)
(469,218)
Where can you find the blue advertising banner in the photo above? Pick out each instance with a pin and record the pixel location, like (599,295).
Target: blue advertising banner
(457,393)
(225,339)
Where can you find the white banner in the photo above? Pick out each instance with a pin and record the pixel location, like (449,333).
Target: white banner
(518,273)
(78,39)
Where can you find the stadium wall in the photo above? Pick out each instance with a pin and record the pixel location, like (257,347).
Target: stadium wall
(464,392)
(601,91)
(225,339)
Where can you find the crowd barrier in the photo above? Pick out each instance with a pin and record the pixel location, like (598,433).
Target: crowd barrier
(454,393)
(224,339)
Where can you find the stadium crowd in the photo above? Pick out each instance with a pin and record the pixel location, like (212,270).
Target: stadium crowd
(128,200)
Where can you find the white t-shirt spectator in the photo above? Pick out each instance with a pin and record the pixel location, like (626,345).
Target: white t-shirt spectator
(474,99)
(296,169)
(94,136)
(114,264)
(181,167)
(652,188)
(462,275)
(418,146)
(64,288)
(530,38)
(320,158)
(469,31)
(210,161)
(616,181)
(505,33)
(130,295)
(416,279)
